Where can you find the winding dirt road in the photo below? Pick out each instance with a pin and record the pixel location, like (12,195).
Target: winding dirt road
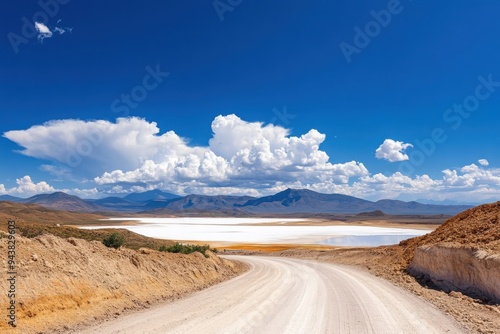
(279,295)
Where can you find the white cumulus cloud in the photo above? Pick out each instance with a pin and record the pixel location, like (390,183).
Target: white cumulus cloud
(247,155)
(26,187)
(240,154)
(392,150)
(90,148)
(469,183)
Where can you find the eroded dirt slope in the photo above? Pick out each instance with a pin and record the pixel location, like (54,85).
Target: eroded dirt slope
(479,227)
(62,282)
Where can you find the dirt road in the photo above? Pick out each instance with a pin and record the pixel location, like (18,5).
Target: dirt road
(279,295)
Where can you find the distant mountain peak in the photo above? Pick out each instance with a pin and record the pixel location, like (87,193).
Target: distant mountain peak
(54,195)
(296,191)
(150,195)
(61,194)
(62,201)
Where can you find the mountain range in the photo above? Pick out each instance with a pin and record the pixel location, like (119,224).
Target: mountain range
(289,201)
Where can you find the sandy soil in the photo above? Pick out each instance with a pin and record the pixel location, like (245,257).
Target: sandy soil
(64,282)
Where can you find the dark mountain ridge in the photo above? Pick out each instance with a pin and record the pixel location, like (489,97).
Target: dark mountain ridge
(156,195)
(287,202)
(303,200)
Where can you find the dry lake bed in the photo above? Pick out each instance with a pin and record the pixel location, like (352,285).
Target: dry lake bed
(263,231)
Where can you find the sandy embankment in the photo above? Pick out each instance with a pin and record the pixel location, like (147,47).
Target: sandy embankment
(62,282)
(454,267)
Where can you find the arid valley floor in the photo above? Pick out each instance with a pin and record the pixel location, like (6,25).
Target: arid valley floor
(68,280)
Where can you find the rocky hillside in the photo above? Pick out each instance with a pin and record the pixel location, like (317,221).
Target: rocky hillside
(61,282)
(476,227)
(461,255)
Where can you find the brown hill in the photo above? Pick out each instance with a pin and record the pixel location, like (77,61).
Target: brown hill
(33,220)
(376,213)
(38,213)
(63,201)
(476,227)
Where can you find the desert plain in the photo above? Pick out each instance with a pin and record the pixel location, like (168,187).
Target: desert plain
(69,282)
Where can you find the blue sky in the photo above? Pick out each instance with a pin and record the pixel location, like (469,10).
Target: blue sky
(251,97)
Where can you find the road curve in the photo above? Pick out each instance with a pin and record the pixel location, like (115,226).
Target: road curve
(281,295)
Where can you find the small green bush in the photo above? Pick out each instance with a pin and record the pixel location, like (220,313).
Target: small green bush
(31,232)
(187,249)
(114,240)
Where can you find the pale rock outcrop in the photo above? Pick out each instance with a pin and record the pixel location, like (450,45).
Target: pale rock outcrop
(454,267)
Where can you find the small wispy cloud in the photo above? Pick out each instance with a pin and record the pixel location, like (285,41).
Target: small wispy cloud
(483,162)
(62,30)
(45,32)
